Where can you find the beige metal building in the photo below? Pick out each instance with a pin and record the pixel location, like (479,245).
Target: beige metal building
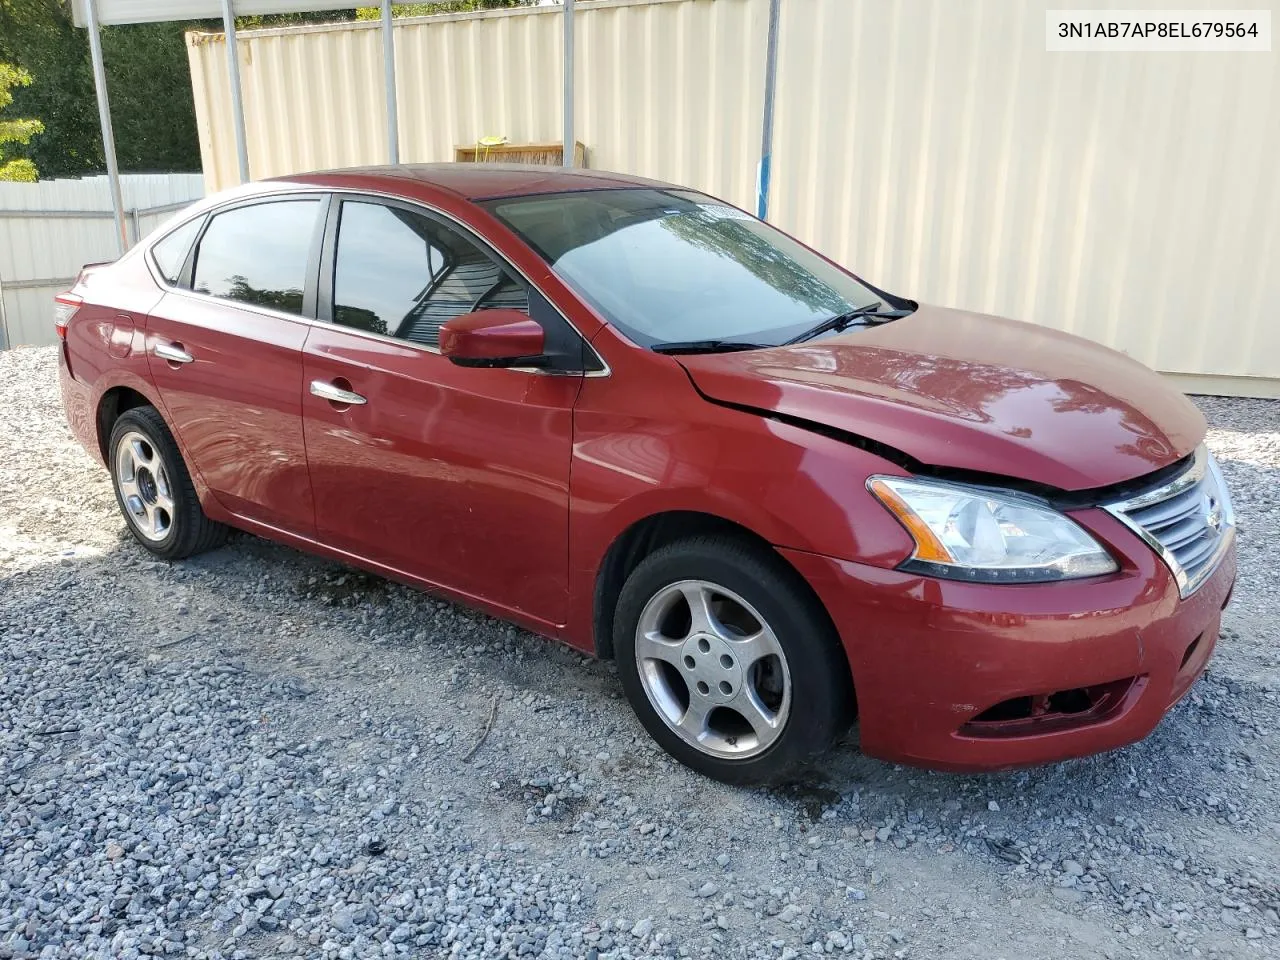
(934,146)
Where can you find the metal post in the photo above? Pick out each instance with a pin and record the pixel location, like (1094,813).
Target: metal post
(104,117)
(4,320)
(237,98)
(569,138)
(770,85)
(389,69)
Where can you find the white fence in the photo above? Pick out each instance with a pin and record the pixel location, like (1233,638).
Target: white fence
(48,230)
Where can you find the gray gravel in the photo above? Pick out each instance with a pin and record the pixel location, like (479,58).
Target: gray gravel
(258,753)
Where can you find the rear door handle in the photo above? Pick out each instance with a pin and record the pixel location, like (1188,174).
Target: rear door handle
(335,394)
(173,353)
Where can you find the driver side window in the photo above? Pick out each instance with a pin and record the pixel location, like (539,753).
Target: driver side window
(403,275)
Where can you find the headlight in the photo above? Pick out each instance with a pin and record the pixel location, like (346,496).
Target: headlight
(968,533)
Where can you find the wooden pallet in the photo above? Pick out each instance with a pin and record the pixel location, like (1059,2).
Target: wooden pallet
(546,154)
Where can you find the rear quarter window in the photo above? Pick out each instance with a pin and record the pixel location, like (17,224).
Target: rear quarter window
(170,252)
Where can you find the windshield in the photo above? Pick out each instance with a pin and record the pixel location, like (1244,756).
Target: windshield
(665,266)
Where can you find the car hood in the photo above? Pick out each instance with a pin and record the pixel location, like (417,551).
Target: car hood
(966,391)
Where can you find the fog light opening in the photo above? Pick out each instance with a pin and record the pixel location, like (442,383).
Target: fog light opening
(1046,712)
(1191,652)
(1070,701)
(1019,708)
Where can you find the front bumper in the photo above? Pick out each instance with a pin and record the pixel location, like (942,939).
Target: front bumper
(932,658)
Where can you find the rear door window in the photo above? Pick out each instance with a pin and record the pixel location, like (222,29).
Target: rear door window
(401,274)
(258,254)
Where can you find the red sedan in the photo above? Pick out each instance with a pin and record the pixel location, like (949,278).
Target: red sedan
(631,417)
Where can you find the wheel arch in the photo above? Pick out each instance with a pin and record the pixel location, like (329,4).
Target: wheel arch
(118,399)
(113,403)
(656,530)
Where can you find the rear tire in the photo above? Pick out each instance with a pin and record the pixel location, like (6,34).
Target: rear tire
(730,662)
(154,488)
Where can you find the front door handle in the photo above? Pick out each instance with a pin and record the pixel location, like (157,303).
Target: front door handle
(334,394)
(173,352)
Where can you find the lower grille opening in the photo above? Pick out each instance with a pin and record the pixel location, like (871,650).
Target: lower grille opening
(1019,708)
(1071,701)
(1045,712)
(1066,702)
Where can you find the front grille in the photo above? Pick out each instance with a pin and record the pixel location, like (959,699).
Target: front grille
(1188,521)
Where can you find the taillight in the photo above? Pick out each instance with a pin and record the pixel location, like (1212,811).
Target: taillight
(65,306)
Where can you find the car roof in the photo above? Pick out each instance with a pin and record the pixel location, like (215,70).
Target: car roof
(483,181)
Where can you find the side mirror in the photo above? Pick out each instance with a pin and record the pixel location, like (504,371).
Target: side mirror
(493,338)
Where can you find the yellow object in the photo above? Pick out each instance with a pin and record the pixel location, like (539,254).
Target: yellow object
(486,143)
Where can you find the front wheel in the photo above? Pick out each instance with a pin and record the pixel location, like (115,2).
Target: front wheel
(154,489)
(729,661)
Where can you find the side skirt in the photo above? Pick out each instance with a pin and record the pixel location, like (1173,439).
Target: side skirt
(542,628)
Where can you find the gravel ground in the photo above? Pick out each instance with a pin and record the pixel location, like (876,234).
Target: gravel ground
(257,753)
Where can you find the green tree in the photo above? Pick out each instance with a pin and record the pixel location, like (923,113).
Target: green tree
(36,35)
(15,131)
(445,6)
(148,81)
(262,22)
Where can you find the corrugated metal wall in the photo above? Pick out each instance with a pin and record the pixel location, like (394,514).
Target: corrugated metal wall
(50,229)
(932,145)
(1130,198)
(671,88)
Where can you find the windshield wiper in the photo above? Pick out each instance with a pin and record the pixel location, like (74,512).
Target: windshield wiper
(707,346)
(870,316)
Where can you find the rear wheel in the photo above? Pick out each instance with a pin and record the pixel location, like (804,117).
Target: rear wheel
(729,661)
(154,489)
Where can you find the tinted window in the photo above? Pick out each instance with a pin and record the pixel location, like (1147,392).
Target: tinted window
(404,275)
(672,265)
(258,254)
(170,253)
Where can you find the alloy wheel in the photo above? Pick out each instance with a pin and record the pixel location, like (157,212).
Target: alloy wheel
(144,486)
(713,669)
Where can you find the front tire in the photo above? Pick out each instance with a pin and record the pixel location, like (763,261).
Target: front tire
(154,488)
(730,662)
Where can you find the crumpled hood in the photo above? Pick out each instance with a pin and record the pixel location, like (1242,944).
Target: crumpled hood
(972,392)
